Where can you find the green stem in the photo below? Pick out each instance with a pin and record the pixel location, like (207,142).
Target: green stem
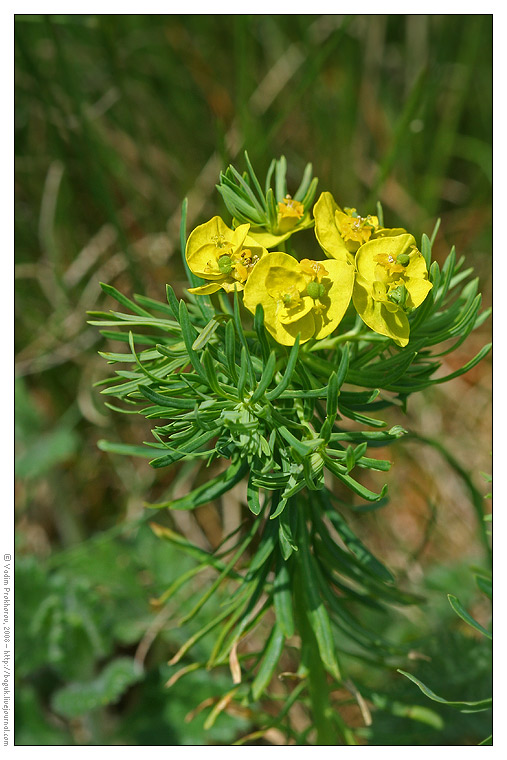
(318,689)
(311,661)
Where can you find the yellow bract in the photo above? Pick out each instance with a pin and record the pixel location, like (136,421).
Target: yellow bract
(224,256)
(391,280)
(307,297)
(341,232)
(291,218)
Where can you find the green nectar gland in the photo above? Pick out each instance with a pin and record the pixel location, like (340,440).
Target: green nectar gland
(403,259)
(398,295)
(225,264)
(315,290)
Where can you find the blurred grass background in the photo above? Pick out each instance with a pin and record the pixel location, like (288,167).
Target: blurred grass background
(117,119)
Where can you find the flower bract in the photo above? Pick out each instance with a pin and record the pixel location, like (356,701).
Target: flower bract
(308,298)
(291,217)
(225,257)
(391,280)
(342,232)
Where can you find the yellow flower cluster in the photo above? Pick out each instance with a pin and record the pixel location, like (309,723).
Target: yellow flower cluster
(379,269)
(224,256)
(305,297)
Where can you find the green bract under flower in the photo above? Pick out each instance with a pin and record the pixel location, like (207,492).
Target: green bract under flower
(391,280)
(308,298)
(224,256)
(273,214)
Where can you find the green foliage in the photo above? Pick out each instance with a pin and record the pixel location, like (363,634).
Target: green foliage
(483,579)
(220,390)
(252,404)
(247,202)
(79,698)
(75,621)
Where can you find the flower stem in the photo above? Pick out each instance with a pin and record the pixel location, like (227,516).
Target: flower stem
(317,685)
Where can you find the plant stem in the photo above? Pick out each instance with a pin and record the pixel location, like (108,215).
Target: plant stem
(318,689)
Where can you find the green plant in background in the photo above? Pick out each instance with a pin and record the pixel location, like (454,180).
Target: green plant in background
(483,579)
(286,393)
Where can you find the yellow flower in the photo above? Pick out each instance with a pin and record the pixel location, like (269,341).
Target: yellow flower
(391,280)
(355,229)
(341,232)
(307,297)
(291,218)
(224,256)
(289,213)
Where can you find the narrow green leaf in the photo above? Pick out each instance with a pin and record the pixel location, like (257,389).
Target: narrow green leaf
(482,704)
(435,231)
(205,334)
(173,302)
(151,303)
(426,249)
(266,378)
(230,350)
(484,585)
(129,449)
(261,332)
(464,615)
(305,183)
(111,291)
(284,383)
(167,401)
(353,543)
(282,598)
(310,193)
(281,179)
(252,497)
(333,390)
(240,332)
(183,450)
(354,486)
(287,541)
(269,175)
(208,491)
(269,661)
(316,610)
(272,209)
(243,372)
(282,503)
(189,335)
(255,181)
(466,367)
